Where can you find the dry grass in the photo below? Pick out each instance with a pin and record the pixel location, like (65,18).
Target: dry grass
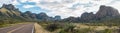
(95,27)
(40,29)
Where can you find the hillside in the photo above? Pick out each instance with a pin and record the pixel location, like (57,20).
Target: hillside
(9,11)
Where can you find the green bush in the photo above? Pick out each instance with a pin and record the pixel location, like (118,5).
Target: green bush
(107,31)
(52,27)
(69,29)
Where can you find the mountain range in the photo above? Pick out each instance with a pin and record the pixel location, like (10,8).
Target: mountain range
(9,11)
(104,13)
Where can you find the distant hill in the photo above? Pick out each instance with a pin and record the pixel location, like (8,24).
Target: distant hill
(103,14)
(8,11)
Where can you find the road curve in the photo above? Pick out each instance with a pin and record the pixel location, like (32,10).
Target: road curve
(21,28)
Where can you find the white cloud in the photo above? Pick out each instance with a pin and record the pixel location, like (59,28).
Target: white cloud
(28,6)
(5,2)
(62,7)
(23,1)
(15,2)
(102,2)
(37,1)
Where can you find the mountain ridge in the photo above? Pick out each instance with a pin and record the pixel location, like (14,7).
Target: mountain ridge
(9,11)
(104,12)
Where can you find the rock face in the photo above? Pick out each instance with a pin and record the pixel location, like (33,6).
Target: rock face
(106,11)
(42,16)
(27,14)
(70,19)
(9,10)
(9,6)
(34,16)
(87,16)
(103,12)
(57,17)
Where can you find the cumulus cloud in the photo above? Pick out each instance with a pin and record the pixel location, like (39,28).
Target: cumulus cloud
(15,2)
(75,8)
(65,8)
(4,2)
(22,1)
(28,6)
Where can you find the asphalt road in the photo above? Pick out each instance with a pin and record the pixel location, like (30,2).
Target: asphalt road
(20,28)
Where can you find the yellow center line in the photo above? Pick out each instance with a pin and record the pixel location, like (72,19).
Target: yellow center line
(15,29)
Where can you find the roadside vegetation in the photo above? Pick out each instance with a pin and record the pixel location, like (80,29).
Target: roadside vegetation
(8,22)
(60,27)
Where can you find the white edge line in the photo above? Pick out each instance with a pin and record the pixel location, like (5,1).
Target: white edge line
(33,29)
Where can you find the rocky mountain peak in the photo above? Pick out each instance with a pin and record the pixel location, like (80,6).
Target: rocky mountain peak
(87,16)
(9,7)
(42,15)
(8,10)
(103,12)
(57,17)
(28,12)
(107,11)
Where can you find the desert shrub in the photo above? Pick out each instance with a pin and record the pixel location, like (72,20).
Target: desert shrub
(85,30)
(72,30)
(52,27)
(1,22)
(68,29)
(107,31)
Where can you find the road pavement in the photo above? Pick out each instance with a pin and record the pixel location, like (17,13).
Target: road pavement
(20,28)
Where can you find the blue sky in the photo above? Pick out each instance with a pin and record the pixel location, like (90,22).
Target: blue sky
(64,8)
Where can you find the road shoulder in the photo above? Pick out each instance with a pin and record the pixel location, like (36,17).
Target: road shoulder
(40,29)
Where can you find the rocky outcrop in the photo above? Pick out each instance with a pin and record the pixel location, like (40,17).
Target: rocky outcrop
(106,11)
(34,16)
(87,16)
(42,16)
(27,15)
(103,12)
(70,19)
(9,6)
(57,17)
